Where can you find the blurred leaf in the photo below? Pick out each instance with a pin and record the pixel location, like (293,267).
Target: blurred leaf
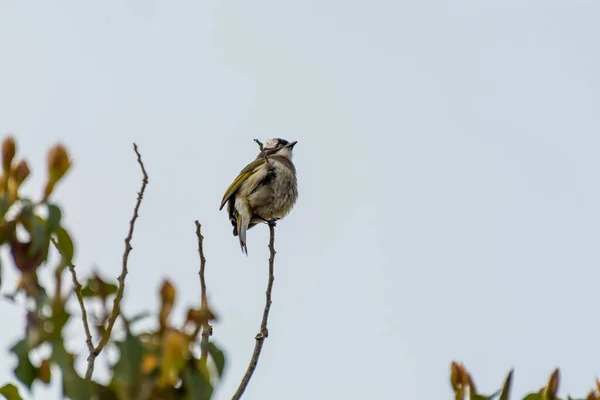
(58,163)
(24,371)
(507,385)
(96,287)
(40,239)
(217,356)
(55,324)
(127,371)
(534,396)
(104,393)
(7,231)
(175,349)
(19,173)
(28,283)
(74,387)
(201,316)
(22,258)
(65,244)
(552,387)
(196,387)
(591,396)
(167,296)
(54,217)
(455,376)
(495,394)
(459,377)
(44,371)
(9,150)
(472,387)
(4,204)
(149,363)
(10,392)
(35,329)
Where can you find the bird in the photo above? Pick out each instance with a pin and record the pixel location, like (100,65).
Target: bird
(265,190)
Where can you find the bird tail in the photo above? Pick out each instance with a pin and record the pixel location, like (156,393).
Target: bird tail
(243,222)
(242,227)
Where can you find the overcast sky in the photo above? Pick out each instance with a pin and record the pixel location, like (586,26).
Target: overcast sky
(448,173)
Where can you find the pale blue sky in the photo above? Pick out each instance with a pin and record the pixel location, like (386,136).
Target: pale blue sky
(448,169)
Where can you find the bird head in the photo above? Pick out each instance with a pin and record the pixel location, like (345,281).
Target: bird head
(280,147)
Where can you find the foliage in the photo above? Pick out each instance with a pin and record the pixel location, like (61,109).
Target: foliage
(464,387)
(165,363)
(158,364)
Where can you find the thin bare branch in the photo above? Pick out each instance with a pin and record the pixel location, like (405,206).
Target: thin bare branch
(116,309)
(260,145)
(206,328)
(262,150)
(84,318)
(264,332)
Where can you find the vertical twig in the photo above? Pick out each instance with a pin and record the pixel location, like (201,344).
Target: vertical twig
(84,318)
(77,290)
(264,332)
(206,328)
(116,310)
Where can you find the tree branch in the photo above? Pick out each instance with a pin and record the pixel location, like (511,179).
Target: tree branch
(77,289)
(264,332)
(206,328)
(262,151)
(84,318)
(116,310)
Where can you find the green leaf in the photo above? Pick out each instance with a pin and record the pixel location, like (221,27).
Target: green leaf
(507,385)
(54,217)
(127,371)
(24,371)
(55,325)
(10,392)
(104,393)
(534,396)
(4,205)
(74,387)
(196,387)
(217,356)
(65,244)
(40,240)
(96,287)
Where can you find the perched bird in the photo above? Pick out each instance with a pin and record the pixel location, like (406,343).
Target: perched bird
(265,190)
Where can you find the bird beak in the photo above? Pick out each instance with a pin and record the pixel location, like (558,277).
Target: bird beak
(291,144)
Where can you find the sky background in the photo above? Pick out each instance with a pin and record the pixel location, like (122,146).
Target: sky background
(447,161)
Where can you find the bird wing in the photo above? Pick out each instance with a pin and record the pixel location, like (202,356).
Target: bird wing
(241,178)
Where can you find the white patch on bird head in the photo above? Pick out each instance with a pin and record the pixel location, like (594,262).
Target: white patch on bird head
(279,147)
(271,143)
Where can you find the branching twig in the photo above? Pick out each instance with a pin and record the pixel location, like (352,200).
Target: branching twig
(264,332)
(77,289)
(116,310)
(262,151)
(206,328)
